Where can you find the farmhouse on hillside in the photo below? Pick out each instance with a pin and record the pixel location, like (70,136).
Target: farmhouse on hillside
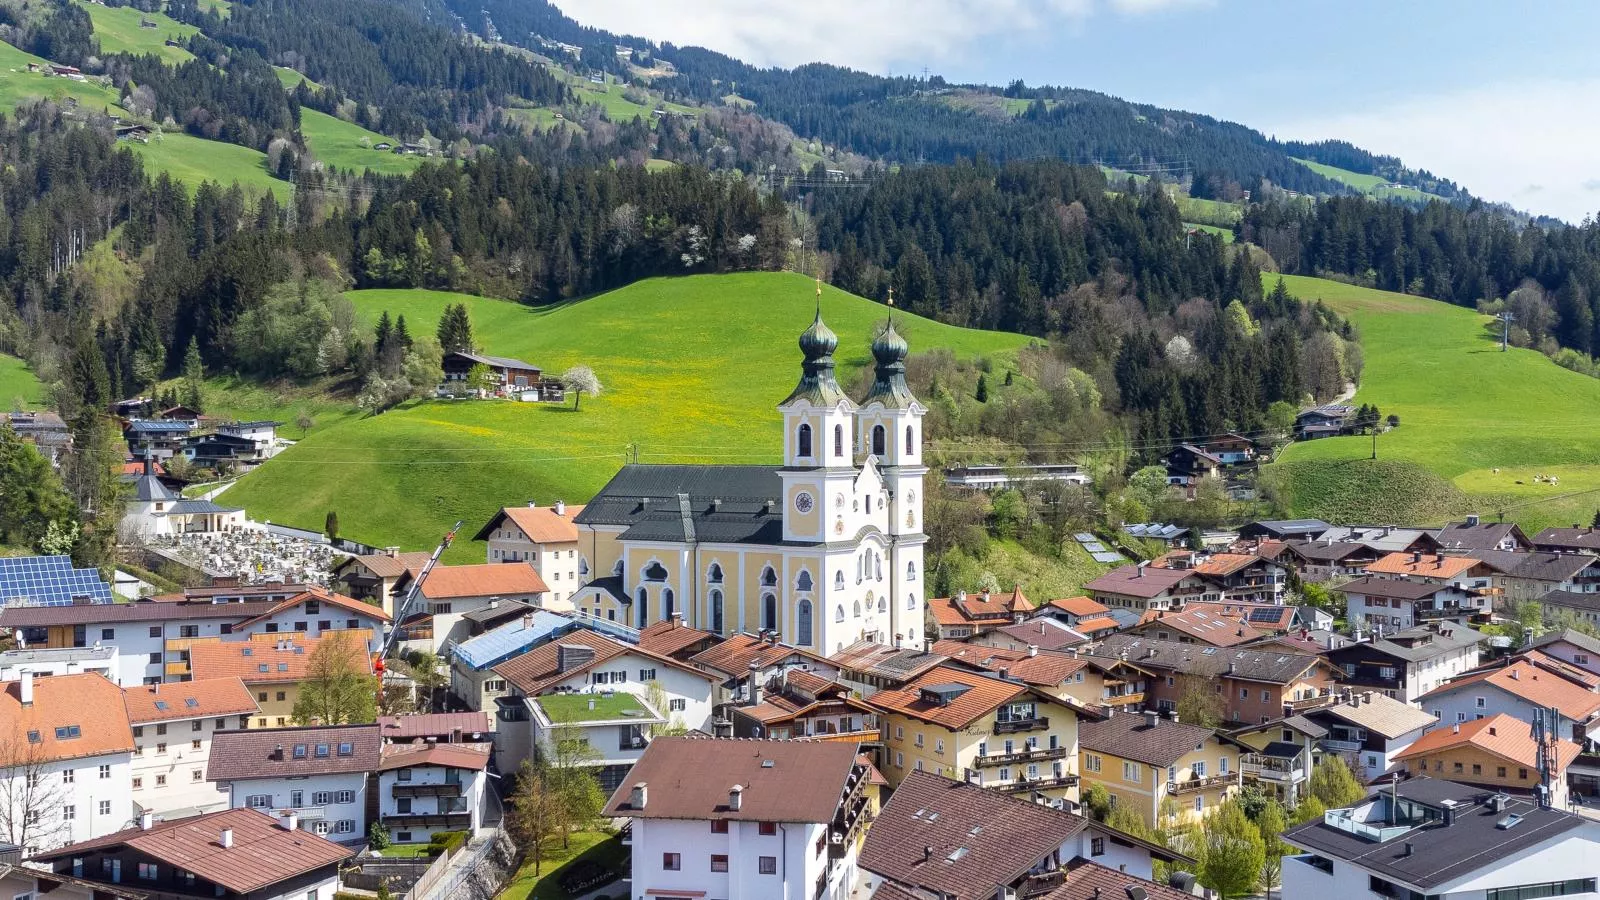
(512,376)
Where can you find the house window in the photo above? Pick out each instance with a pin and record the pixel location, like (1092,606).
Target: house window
(1097,846)
(1091,762)
(677,704)
(719,862)
(647,674)
(1130,772)
(767,828)
(1480,702)
(147,871)
(1199,803)
(719,826)
(105,771)
(1500,771)
(161,781)
(67,776)
(767,865)
(105,807)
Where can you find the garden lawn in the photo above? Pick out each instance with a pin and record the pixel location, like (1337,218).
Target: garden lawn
(1465,409)
(337,143)
(602,848)
(693,369)
(118,30)
(18,383)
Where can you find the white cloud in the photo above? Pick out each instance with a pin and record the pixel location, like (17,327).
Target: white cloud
(1530,143)
(872,35)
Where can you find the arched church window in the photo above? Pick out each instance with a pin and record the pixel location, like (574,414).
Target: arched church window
(716,611)
(715,574)
(838,440)
(803,583)
(838,613)
(911,601)
(911,496)
(838,580)
(641,612)
(803,441)
(909,443)
(883,603)
(877,566)
(666,603)
(857,609)
(583,566)
(802,623)
(655,572)
(617,569)
(879,440)
(769,578)
(769,612)
(911,571)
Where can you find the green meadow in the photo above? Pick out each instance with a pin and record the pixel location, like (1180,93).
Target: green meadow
(1371,185)
(118,30)
(337,144)
(19,387)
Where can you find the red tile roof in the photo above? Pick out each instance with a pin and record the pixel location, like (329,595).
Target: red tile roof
(43,730)
(263,854)
(385,566)
(321,595)
(1539,687)
(539,669)
(266,661)
(733,656)
(983,695)
(1087,880)
(1080,606)
(1140,581)
(1204,626)
(1502,735)
(436,725)
(540,523)
(1434,566)
(1043,669)
(484,580)
(669,637)
(196,699)
(450,756)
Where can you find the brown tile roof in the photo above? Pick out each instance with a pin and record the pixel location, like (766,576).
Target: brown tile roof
(919,837)
(1080,606)
(538,670)
(540,523)
(322,595)
(284,660)
(983,696)
(1526,680)
(450,756)
(733,656)
(1046,634)
(1435,566)
(89,703)
(138,611)
(385,566)
(1502,735)
(670,637)
(1087,880)
(483,580)
(1254,614)
(1139,581)
(882,661)
(291,752)
(1214,564)
(1569,538)
(1205,627)
(187,700)
(263,854)
(1091,624)
(815,685)
(1154,654)
(1131,736)
(1043,669)
(1563,668)
(782,781)
(438,725)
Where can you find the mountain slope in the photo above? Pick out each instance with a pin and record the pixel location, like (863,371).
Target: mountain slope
(693,368)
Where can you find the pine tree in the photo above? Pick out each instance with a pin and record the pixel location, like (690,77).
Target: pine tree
(455,329)
(983,389)
(330,525)
(193,378)
(385,331)
(402,337)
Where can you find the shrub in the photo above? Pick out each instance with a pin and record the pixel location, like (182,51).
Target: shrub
(446,841)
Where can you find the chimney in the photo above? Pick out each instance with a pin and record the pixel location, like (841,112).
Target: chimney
(291,822)
(638,796)
(1408,849)
(227,838)
(1151,718)
(1175,717)
(146,819)
(533,504)
(392,552)
(1033,649)
(677,619)
(1491,731)
(561,508)
(736,798)
(27,688)
(927,853)
(527,621)
(1455,729)
(1472,521)
(721,728)
(1449,813)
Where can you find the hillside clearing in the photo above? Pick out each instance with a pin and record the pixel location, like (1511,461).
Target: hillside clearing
(1465,410)
(1371,185)
(337,144)
(120,29)
(19,387)
(195,160)
(693,368)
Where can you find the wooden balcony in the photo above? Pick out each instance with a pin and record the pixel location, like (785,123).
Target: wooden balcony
(1136,698)
(1038,754)
(1045,783)
(1202,784)
(1272,768)
(181,667)
(427,790)
(1016,726)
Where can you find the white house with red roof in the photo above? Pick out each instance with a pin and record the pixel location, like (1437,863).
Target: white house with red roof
(172,729)
(427,788)
(544,537)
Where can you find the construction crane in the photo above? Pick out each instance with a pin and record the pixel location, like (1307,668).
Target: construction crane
(412,594)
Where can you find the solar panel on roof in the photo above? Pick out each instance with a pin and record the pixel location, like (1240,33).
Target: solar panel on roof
(49,581)
(1264,615)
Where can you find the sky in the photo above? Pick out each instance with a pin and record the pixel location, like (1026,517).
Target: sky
(1503,98)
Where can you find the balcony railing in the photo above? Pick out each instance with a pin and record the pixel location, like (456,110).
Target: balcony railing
(302,812)
(1014,726)
(1046,783)
(427,790)
(1038,754)
(1133,698)
(1272,768)
(427,820)
(1202,784)
(1341,746)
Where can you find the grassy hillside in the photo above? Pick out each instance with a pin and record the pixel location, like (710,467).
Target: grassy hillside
(337,143)
(1371,185)
(1465,410)
(18,383)
(693,368)
(119,31)
(17,84)
(193,160)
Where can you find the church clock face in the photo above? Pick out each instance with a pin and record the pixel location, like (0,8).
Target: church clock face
(803,502)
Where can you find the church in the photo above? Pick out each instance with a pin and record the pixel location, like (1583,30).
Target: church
(823,551)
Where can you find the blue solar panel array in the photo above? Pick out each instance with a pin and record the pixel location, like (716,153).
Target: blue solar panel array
(49,581)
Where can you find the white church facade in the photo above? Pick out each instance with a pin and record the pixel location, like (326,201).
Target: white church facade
(824,550)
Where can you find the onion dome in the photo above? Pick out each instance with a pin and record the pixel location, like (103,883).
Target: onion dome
(817,383)
(818,340)
(889,376)
(890,348)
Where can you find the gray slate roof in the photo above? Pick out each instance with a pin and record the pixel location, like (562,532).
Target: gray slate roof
(1192,659)
(646,499)
(148,488)
(1390,587)
(1575,638)
(1572,600)
(1482,536)
(1422,642)
(191,507)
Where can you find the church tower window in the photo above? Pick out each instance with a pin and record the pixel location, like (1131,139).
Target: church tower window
(911,571)
(642,614)
(883,603)
(911,601)
(838,613)
(655,572)
(802,623)
(879,440)
(716,611)
(803,583)
(769,578)
(838,580)
(666,604)
(715,575)
(838,440)
(909,443)
(803,441)
(858,609)
(769,612)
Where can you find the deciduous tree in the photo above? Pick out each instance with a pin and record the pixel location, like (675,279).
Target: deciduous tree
(581,380)
(339,688)
(1231,852)
(1333,784)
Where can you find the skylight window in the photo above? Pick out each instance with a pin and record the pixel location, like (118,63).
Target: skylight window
(347,749)
(299,751)
(191,702)
(247,651)
(34,738)
(65,732)
(161,705)
(322,751)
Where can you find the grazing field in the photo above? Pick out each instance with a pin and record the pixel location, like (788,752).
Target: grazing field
(337,144)
(1465,409)
(119,30)
(1372,185)
(1224,233)
(291,79)
(193,160)
(693,368)
(19,387)
(18,85)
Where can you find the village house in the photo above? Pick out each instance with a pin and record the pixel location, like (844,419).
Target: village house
(235,854)
(1198,626)
(1144,587)
(1389,604)
(942,838)
(1464,572)
(1328,420)
(1252,685)
(1230,449)
(436,728)
(734,660)
(1230,577)
(1041,633)
(1577,539)
(1408,663)
(315,612)
(1283,753)
(172,730)
(159,439)
(1474,534)
(726,818)
(1572,647)
(1426,837)
(1383,539)
(69,751)
(46,431)
(1267,618)
(797,704)
(425,788)
(1284,529)
(823,550)
(1367,730)
(272,669)
(1064,676)
(966,615)
(509,376)
(1584,607)
(544,537)
(1084,615)
(473,682)
(317,775)
(1522,690)
(1323,561)
(449,592)
(1533,575)
(1188,465)
(33,881)
(60,661)
(1498,753)
(677,640)
(1144,760)
(998,733)
(374,576)
(606,691)
(869,666)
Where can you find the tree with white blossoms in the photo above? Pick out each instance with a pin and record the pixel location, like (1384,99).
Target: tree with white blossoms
(581,380)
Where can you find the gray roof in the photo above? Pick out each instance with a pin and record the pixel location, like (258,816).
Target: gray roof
(1538,565)
(1369,586)
(1287,527)
(711,504)
(1575,638)
(1482,536)
(1378,713)
(192,507)
(159,426)
(1434,854)
(1572,600)
(504,362)
(1323,551)
(148,488)
(1379,537)
(1423,642)
(1270,666)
